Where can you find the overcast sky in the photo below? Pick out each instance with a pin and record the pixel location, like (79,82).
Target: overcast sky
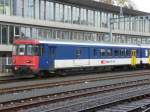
(143,5)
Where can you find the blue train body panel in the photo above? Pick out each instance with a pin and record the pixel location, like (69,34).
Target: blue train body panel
(53,52)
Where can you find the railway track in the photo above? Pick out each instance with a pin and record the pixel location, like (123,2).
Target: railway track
(46,84)
(36,101)
(136,104)
(13,80)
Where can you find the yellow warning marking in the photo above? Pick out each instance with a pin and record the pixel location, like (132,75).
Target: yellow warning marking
(133,60)
(149,57)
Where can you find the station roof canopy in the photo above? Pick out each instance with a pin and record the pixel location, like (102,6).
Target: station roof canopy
(103,6)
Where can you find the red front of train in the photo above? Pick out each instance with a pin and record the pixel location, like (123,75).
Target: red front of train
(25,57)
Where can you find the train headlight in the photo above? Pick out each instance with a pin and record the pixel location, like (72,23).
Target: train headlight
(28,61)
(16,68)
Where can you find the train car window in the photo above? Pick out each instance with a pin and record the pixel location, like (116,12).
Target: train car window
(149,52)
(41,50)
(51,51)
(122,52)
(102,52)
(94,52)
(78,53)
(137,52)
(117,52)
(128,52)
(146,52)
(109,52)
(125,52)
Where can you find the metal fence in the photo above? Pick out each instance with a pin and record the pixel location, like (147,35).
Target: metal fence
(3,62)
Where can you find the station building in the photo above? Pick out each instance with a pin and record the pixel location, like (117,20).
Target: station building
(69,20)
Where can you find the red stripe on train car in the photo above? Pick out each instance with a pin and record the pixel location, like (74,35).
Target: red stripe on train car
(26,42)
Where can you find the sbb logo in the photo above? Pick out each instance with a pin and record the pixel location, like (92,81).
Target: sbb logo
(103,62)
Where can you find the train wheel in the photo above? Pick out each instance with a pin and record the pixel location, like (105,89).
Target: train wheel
(39,75)
(61,73)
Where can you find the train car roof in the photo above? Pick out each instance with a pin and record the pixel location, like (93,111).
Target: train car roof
(77,43)
(88,44)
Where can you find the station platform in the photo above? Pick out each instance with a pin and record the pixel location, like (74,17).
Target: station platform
(5,74)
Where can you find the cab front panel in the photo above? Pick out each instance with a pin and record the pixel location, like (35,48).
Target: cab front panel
(25,63)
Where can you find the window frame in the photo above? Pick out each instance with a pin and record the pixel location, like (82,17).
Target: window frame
(111,52)
(118,54)
(78,53)
(101,53)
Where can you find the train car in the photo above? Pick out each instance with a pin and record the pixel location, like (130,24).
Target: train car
(35,56)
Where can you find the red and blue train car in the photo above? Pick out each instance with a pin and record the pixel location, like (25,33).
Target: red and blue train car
(34,56)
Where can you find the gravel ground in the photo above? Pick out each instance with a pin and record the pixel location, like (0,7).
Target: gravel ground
(49,107)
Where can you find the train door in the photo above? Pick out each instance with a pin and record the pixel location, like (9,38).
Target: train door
(133,56)
(47,58)
(82,56)
(43,59)
(148,56)
(51,57)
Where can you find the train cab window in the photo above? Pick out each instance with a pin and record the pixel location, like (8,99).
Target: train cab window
(32,50)
(20,49)
(117,52)
(102,52)
(78,53)
(109,53)
(28,49)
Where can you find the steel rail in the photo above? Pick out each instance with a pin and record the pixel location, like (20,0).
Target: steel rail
(147,110)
